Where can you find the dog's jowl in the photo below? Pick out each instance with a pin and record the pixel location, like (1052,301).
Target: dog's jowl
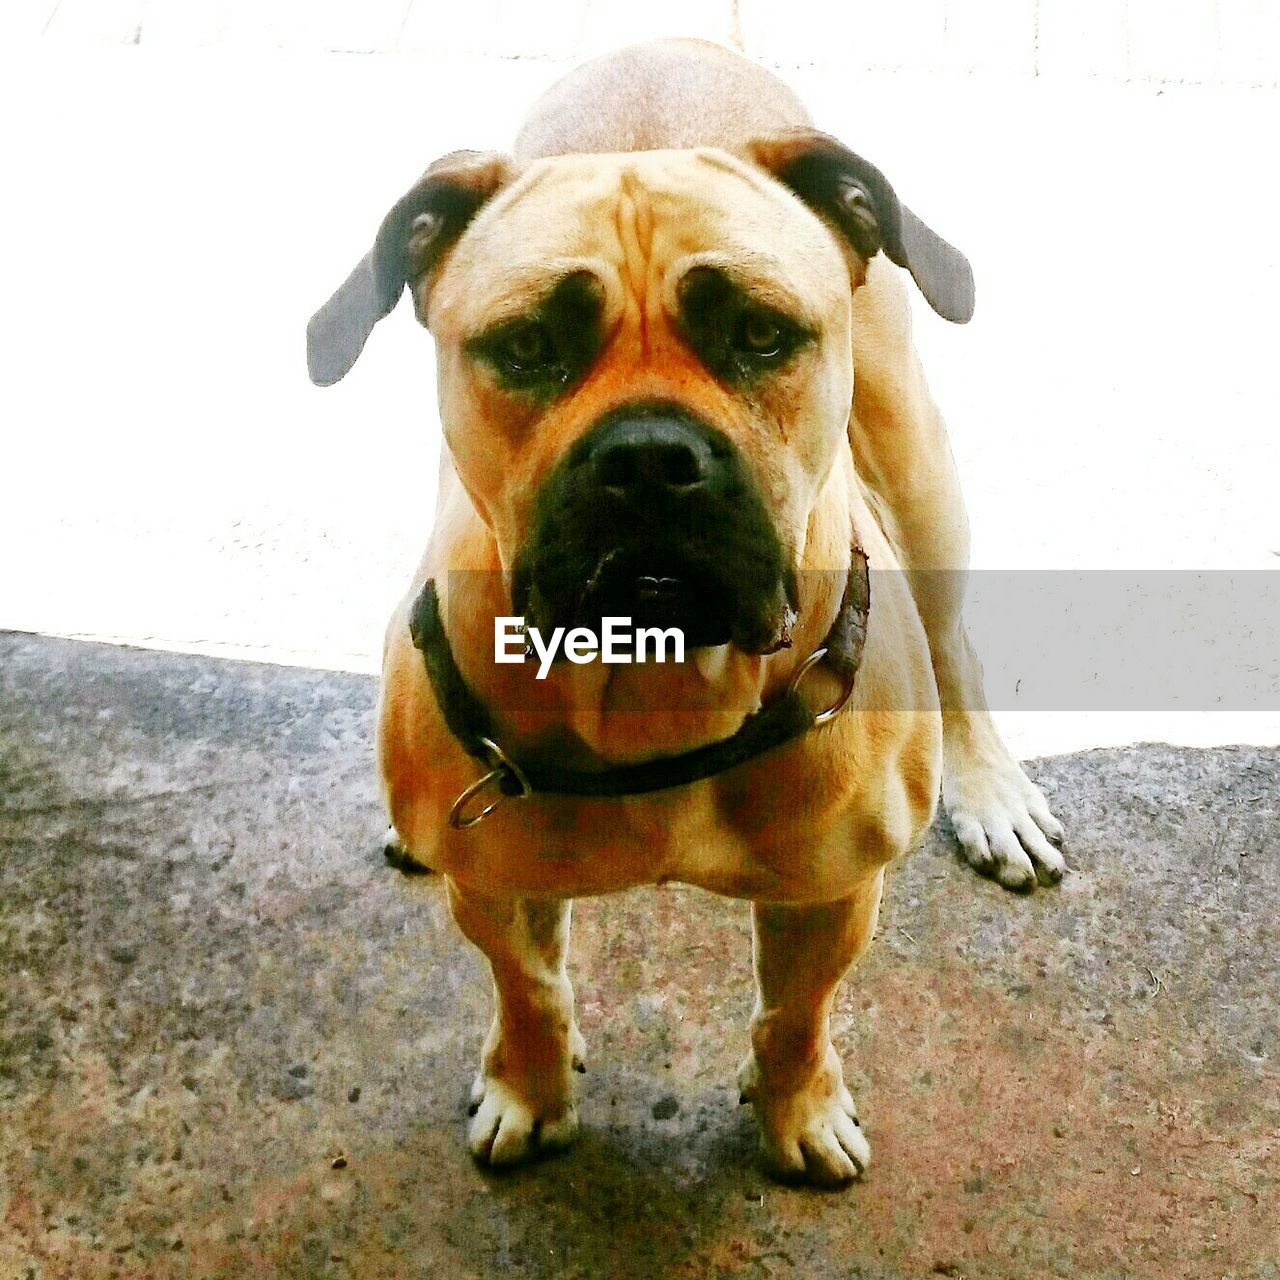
(678,386)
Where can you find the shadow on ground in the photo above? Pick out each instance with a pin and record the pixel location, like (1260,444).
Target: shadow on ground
(213,990)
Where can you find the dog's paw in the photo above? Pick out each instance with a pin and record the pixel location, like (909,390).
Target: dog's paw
(399,857)
(507,1130)
(1002,820)
(810,1134)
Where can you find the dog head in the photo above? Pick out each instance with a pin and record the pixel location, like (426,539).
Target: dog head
(645,363)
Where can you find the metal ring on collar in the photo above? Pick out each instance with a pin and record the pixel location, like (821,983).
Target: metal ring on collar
(846,691)
(503,767)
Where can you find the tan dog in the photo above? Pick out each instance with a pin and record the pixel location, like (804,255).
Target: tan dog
(648,321)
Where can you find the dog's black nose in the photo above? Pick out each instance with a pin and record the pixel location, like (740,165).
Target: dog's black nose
(651,454)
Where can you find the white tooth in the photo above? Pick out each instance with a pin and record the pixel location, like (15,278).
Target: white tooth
(711,662)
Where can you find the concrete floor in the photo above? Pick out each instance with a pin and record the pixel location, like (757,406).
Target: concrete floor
(214,989)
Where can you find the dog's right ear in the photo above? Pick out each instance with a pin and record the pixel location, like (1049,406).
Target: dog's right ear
(413,237)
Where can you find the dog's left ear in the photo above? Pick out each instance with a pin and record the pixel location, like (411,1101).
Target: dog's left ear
(858,199)
(412,239)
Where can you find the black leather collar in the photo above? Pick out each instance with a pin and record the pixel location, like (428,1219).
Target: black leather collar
(783,719)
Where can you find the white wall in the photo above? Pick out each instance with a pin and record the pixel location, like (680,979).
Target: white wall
(1147,41)
(188,181)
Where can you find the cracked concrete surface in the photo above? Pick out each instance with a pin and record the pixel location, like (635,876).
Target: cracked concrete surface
(232,1043)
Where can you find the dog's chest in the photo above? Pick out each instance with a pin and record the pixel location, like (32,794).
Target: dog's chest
(693,835)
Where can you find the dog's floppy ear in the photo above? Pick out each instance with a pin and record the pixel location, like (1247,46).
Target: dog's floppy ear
(413,236)
(857,197)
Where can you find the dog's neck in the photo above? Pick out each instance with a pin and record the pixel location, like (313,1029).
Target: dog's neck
(596,714)
(508,772)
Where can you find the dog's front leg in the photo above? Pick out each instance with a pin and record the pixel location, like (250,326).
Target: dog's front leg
(808,1124)
(1000,817)
(900,448)
(522,1099)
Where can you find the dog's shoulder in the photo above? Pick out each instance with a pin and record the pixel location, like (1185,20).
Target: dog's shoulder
(664,94)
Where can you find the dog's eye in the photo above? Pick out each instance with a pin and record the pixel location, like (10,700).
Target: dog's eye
(527,348)
(548,348)
(740,338)
(757,334)
(524,354)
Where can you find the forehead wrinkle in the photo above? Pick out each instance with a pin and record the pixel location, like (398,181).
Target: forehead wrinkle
(761,275)
(635,220)
(525,185)
(736,233)
(726,163)
(552,238)
(610,212)
(526,285)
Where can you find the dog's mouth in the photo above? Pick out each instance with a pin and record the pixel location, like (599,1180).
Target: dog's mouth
(674,591)
(662,589)
(653,516)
